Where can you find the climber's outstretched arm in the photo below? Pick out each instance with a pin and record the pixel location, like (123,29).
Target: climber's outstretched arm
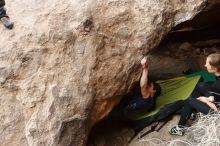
(144,78)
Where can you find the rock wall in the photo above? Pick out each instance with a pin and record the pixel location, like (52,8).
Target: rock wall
(67,63)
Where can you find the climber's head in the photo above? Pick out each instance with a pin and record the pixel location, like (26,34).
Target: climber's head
(213,63)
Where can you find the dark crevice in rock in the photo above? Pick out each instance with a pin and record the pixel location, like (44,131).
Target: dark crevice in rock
(204,34)
(109,132)
(207,18)
(67,135)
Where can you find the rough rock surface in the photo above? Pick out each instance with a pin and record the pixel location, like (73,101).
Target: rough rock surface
(66,63)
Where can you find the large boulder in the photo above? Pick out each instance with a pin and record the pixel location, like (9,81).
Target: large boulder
(67,63)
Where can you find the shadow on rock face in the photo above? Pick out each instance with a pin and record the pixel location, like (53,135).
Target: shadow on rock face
(110,132)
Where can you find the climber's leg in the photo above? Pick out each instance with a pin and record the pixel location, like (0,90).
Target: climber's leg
(4,17)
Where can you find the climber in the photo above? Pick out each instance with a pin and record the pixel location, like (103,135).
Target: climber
(205,98)
(4,17)
(143,101)
(149,90)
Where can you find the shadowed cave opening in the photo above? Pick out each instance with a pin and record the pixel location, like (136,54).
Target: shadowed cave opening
(183,50)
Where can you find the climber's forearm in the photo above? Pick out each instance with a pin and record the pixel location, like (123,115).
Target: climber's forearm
(207,101)
(212,105)
(144,78)
(144,83)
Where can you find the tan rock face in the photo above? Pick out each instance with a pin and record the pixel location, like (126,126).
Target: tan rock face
(66,63)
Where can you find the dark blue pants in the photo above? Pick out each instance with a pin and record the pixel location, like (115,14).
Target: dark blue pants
(2,3)
(191,105)
(2,9)
(201,89)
